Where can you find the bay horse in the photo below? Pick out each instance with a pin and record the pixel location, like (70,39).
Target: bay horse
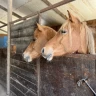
(42,35)
(73,36)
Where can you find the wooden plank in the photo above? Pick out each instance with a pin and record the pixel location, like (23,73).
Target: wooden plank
(2,22)
(16,91)
(29,85)
(4,31)
(3,75)
(8,48)
(26,32)
(1,35)
(45,9)
(18,56)
(24,66)
(55,9)
(22,88)
(21,43)
(59,77)
(25,24)
(30,93)
(3,25)
(18,85)
(24,74)
(12,94)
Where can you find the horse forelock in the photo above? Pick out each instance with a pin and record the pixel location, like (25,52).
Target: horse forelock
(67,23)
(63,26)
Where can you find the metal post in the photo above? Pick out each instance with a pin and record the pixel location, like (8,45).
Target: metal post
(38,64)
(38,76)
(9,42)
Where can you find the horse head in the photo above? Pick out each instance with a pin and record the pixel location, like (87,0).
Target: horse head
(42,35)
(71,38)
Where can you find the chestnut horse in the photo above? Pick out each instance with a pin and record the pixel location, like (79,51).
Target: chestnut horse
(41,36)
(73,36)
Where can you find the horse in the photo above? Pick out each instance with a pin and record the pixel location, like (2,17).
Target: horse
(72,37)
(42,35)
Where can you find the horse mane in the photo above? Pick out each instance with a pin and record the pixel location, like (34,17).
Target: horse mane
(89,39)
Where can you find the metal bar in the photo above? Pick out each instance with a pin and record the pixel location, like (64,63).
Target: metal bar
(90,87)
(38,63)
(55,9)
(15,14)
(38,72)
(8,48)
(44,10)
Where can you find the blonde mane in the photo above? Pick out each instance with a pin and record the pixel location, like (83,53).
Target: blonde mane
(89,39)
(89,36)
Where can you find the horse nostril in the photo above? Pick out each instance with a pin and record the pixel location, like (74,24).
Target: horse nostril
(43,50)
(27,58)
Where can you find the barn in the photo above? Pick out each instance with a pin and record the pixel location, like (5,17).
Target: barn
(68,75)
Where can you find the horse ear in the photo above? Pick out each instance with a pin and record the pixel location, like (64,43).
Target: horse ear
(39,27)
(72,18)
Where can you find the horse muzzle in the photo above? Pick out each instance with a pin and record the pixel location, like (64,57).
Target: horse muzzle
(27,58)
(48,56)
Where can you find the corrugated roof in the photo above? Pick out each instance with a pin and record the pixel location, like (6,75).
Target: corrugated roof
(83,9)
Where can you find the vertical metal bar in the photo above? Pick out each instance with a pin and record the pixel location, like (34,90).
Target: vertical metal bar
(9,42)
(38,63)
(38,76)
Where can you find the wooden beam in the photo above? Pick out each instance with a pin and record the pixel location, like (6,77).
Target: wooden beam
(3,30)
(9,45)
(44,10)
(2,22)
(3,25)
(55,9)
(15,14)
(91,23)
(1,35)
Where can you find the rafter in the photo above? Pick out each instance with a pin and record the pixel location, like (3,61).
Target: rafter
(3,30)
(44,10)
(15,14)
(3,25)
(2,22)
(55,9)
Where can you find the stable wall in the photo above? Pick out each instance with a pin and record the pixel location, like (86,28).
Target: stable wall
(60,76)
(23,75)
(3,68)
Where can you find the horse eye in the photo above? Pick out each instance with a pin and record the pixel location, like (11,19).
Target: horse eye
(63,31)
(34,39)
